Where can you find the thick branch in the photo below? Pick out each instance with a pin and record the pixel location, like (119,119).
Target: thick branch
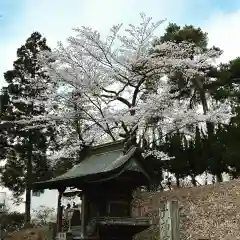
(121,99)
(136,91)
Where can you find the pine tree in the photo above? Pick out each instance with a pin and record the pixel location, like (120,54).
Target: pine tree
(174,146)
(194,156)
(26,152)
(4,98)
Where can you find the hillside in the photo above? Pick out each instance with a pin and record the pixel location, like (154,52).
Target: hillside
(206,212)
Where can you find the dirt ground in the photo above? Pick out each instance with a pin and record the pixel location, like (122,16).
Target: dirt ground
(40,233)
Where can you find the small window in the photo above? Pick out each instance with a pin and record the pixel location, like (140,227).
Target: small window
(118,209)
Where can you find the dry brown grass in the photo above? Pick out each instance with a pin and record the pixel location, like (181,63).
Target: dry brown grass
(206,212)
(40,233)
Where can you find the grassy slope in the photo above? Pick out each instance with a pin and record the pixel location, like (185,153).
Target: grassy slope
(207,212)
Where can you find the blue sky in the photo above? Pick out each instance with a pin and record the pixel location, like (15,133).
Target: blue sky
(55,18)
(192,11)
(10,12)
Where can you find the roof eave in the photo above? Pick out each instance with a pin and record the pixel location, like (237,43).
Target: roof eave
(58,183)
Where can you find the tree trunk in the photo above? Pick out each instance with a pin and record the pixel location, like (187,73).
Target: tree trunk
(177,180)
(28,186)
(78,129)
(28,207)
(219,177)
(59,210)
(206,179)
(193,180)
(213,180)
(202,94)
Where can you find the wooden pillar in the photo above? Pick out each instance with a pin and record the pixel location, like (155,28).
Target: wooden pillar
(59,210)
(83,214)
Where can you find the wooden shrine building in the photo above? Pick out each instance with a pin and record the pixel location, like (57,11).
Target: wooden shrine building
(105,180)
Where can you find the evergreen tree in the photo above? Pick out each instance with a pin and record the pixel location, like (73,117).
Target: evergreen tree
(188,158)
(196,161)
(189,88)
(4,98)
(224,144)
(187,33)
(230,140)
(201,153)
(26,159)
(174,146)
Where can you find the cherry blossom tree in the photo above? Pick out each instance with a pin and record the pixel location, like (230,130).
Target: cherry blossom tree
(117,86)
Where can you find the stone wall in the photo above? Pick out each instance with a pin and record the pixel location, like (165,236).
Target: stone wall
(206,212)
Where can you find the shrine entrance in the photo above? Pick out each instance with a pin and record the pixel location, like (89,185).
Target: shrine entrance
(104,182)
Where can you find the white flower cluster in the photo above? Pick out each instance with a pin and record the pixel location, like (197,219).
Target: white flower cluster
(157,154)
(100,86)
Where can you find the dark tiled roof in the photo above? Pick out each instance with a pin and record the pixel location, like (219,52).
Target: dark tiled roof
(105,158)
